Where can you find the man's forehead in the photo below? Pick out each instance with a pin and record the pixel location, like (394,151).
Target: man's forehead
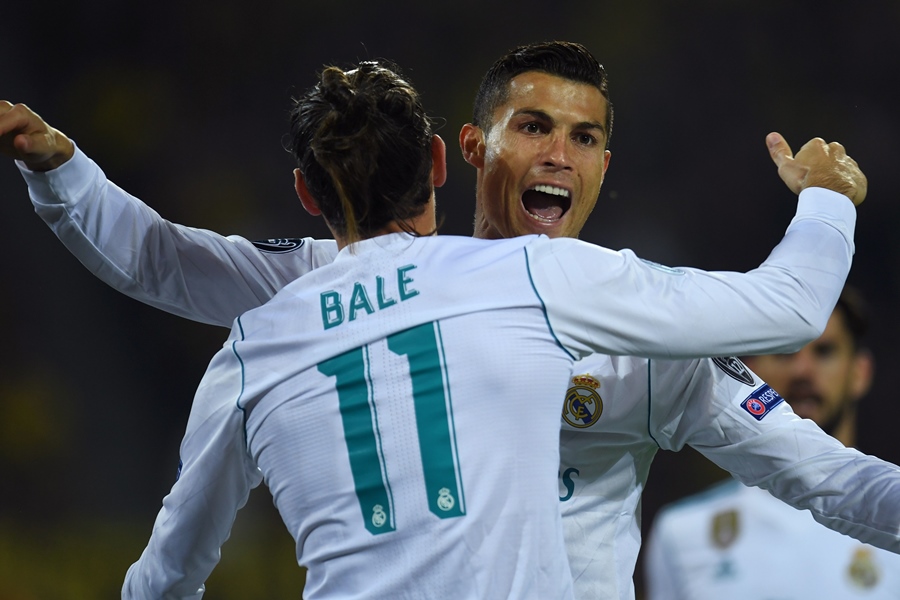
(551,94)
(836,328)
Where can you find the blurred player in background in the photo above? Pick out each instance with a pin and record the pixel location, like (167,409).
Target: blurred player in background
(738,542)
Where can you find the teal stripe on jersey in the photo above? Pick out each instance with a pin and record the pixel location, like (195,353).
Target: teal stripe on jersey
(543,306)
(380,448)
(462,491)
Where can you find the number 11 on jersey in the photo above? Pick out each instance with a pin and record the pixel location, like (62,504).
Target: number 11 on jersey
(434,423)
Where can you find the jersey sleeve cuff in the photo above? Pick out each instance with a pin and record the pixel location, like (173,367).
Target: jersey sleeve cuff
(829,206)
(62,184)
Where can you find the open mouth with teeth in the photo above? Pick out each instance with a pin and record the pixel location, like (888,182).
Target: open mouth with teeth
(546,203)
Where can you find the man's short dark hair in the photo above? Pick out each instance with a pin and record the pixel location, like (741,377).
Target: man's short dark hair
(856,314)
(567,60)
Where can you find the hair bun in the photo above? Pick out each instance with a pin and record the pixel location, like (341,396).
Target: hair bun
(352,108)
(363,144)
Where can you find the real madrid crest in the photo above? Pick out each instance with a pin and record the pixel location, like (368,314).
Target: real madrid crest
(725,528)
(583,404)
(379,517)
(445,499)
(863,571)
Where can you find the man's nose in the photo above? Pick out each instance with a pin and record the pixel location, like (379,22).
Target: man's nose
(556,152)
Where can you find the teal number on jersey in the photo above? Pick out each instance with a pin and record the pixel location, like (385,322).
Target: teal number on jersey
(434,422)
(366,460)
(434,418)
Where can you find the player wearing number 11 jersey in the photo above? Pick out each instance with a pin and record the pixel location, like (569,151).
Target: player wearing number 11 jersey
(389,403)
(388,399)
(402,403)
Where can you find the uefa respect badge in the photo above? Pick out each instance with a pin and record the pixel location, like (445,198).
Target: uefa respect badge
(761,402)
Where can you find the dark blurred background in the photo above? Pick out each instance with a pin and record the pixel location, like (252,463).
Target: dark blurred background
(185,105)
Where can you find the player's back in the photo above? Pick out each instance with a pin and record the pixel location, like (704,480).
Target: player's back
(392,405)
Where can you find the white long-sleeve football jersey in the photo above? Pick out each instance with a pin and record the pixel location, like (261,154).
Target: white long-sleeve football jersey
(359,394)
(630,406)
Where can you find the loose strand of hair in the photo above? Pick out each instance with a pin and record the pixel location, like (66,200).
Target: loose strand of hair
(351,224)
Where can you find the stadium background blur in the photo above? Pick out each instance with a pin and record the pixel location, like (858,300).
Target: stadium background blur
(185,105)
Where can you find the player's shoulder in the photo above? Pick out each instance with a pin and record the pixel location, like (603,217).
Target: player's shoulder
(281,245)
(468,243)
(541,244)
(288,245)
(492,261)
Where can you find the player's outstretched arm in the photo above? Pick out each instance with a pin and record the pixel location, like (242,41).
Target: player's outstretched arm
(847,491)
(818,164)
(25,136)
(732,417)
(640,310)
(193,273)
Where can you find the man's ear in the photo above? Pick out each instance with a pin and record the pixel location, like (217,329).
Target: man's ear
(439,161)
(471,142)
(863,372)
(306,199)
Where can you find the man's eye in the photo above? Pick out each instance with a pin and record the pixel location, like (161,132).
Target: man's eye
(532,128)
(825,350)
(586,139)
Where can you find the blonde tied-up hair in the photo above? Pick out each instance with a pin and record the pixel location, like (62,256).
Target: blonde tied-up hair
(362,141)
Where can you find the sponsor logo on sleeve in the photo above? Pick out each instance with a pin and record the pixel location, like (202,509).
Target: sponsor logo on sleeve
(734,368)
(279,245)
(761,402)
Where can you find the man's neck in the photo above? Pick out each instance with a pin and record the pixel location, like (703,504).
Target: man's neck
(424,224)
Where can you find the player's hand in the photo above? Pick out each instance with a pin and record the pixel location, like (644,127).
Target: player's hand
(25,136)
(818,164)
